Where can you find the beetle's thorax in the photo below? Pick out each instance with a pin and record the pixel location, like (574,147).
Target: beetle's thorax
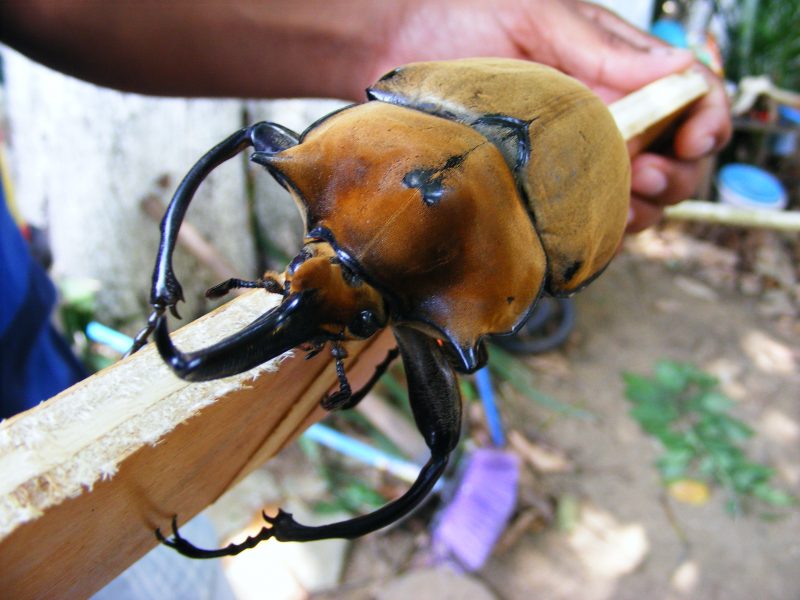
(352,308)
(427,210)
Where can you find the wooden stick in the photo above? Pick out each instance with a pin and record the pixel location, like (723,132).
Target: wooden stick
(737,216)
(642,115)
(87,476)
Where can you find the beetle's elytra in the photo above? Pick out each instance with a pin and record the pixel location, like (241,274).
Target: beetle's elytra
(442,207)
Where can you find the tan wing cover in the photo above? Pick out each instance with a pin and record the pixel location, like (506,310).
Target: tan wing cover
(577,174)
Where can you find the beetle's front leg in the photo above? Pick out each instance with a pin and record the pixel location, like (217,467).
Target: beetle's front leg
(436,404)
(166,291)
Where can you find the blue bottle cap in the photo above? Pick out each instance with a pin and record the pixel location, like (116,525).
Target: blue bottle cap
(747,185)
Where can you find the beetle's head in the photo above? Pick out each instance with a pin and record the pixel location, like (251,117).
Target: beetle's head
(324,301)
(345,306)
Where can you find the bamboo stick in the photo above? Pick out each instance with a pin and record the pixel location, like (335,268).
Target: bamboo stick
(737,216)
(644,113)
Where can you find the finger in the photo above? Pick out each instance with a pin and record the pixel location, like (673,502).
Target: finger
(642,215)
(662,181)
(707,127)
(612,22)
(612,56)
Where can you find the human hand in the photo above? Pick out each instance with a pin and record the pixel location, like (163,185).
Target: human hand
(591,44)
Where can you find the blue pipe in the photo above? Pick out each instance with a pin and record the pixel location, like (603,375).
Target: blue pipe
(483,381)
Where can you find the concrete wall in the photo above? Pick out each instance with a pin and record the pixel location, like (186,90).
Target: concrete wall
(83,157)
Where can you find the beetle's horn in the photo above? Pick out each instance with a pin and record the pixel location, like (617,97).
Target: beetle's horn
(281,329)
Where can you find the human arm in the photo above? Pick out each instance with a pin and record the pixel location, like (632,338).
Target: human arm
(597,47)
(286,48)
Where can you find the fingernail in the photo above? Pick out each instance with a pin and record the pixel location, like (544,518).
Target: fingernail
(631,215)
(649,181)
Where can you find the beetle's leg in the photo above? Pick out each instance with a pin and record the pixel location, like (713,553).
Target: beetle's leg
(186,548)
(141,338)
(166,292)
(312,348)
(333,403)
(345,392)
(436,404)
(269,283)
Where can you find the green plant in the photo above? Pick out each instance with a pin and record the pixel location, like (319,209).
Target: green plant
(685,410)
(519,376)
(348,492)
(77,309)
(764,41)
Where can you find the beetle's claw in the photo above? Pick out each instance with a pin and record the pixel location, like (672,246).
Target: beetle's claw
(282,526)
(176,537)
(143,336)
(336,401)
(167,292)
(174,310)
(185,547)
(312,349)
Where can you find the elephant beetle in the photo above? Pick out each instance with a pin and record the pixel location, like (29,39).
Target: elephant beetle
(442,207)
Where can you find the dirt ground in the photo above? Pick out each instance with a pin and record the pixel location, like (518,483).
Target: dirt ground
(628,545)
(629,539)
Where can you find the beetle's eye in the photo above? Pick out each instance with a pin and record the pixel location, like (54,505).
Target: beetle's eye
(365,324)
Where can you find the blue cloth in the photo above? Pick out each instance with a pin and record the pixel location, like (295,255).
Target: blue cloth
(35,361)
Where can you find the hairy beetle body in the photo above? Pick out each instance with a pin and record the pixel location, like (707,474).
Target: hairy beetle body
(442,208)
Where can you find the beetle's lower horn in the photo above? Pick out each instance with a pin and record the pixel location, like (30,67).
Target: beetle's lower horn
(281,329)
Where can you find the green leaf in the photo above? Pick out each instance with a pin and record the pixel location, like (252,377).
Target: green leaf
(683,408)
(733,506)
(641,389)
(329,508)
(750,475)
(733,429)
(652,418)
(673,464)
(521,379)
(675,442)
(714,402)
(672,376)
(358,495)
(771,495)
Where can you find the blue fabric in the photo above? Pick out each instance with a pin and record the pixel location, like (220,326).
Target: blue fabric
(35,361)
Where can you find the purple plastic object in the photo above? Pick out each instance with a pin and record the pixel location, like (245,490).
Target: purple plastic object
(476,516)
